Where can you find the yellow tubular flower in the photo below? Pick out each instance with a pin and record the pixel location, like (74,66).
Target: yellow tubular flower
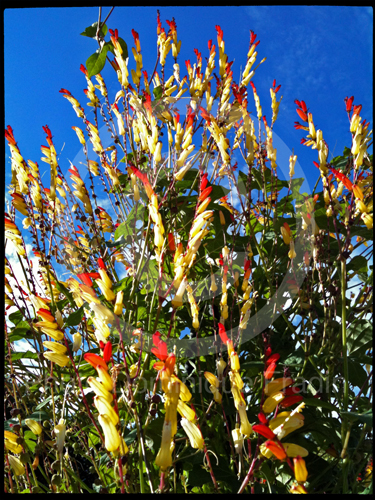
(237,440)
(185,411)
(104,408)
(55,347)
(105,378)
(212,379)
(300,471)
(99,389)
(236,379)
(171,401)
(292,254)
(10,441)
(220,365)
(185,394)
(111,437)
(60,359)
(285,235)
(193,433)
(272,401)
(34,426)
(294,450)
(277,385)
(246,428)
(17,465)
(77,341)
(60,431)
(164,456)
(133,370)
(118,305)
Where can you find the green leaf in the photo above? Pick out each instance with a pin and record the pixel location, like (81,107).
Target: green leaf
(319,403)
(90,31)
(16,317)
(358,263)
(122,44)
(22,329)
(24,355)
(62,289)
(95,63)
(365,418)
(158,92)
(46,401)
(131,437)
(75,317)
(127,228)
(123,284)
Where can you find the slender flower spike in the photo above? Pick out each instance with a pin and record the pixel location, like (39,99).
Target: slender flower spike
(300,471)
(34,426)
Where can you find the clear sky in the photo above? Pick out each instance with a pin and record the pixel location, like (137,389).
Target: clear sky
(318,54)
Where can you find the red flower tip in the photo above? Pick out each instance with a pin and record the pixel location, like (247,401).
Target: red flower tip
(316,164)
(95,360)
(101,344)
(160,351)
(302,115)
(107,352)
(262,418)
(270,371)
(357,109)
(291,391)
(252,37)
(222,333)
(303,106)
(291,400)
(101,263)
(349,103)
(85,278)
(297,102)
(268,352)
(204,182)
(83,69)
(171,242)
(209,44)
(265,431)
(273,359)
(206,192)
(206,116)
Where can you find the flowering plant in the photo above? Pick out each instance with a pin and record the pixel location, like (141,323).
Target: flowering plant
(215,287)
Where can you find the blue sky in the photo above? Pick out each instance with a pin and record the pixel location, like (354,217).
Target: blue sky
(318,54)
